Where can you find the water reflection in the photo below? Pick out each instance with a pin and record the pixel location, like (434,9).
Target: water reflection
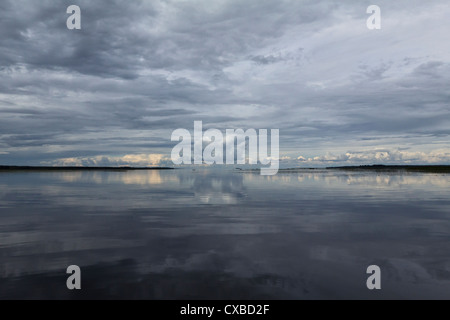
(330,177)
(126,177)
(224,234)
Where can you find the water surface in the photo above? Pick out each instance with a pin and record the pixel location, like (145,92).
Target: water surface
(183,234)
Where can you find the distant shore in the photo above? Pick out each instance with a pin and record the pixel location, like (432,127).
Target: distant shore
(377,168)
(47,168)
(408,168)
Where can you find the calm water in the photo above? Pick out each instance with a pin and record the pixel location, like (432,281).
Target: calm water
(223,234)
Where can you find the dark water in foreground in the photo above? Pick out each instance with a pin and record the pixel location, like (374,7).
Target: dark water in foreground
(179,234)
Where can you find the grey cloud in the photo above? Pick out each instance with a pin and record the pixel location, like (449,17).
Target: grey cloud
(431,69)
(136,71)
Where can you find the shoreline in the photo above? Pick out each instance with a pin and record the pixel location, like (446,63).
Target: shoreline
(47,168)
(375,168)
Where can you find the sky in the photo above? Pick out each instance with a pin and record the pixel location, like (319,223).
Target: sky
(113,92)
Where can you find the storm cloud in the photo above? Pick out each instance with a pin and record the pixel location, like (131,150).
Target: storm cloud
(136,71)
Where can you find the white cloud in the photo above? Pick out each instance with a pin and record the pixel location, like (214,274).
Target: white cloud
(382,156)
(136,160)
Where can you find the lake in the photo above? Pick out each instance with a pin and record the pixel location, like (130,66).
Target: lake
(223,234)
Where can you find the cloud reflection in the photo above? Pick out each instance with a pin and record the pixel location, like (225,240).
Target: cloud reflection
(141,177)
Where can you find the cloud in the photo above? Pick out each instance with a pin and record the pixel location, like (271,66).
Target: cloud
(381,156)
(137,71)
(136,160)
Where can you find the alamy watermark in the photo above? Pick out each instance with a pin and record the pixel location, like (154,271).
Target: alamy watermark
(74,280)
(374,280)
(74,20)
(374,21)
(219,147)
